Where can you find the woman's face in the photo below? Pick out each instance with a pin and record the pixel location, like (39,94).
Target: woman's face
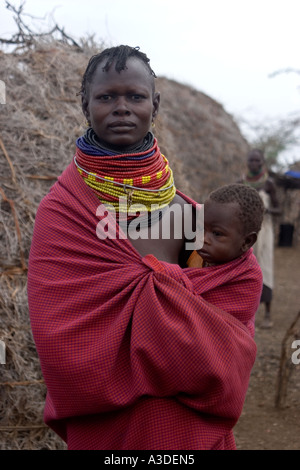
(120,107)
(255,162)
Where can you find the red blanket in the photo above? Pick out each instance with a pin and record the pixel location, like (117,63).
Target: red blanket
(132,356)
(234,287)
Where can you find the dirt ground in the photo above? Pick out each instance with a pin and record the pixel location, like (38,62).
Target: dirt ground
(262,426)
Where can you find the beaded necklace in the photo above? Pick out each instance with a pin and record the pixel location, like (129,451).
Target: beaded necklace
(143,178)
(256,180)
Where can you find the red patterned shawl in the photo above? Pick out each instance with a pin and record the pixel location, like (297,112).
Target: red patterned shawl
(133,358)
(234,287)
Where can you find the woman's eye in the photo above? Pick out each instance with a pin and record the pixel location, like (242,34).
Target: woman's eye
(137,97)
(104,97)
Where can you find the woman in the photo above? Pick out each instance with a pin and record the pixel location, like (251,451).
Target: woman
(258,178)
(132,357)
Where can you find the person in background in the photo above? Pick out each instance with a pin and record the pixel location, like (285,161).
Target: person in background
(258,177)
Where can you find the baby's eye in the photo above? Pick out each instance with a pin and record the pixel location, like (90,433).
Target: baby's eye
(217,233)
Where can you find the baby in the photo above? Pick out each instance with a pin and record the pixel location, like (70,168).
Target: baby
(233,216)
(231,278)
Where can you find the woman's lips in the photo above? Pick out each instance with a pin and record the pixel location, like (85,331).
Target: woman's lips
(121,126)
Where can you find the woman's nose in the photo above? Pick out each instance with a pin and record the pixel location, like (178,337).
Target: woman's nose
(121,106)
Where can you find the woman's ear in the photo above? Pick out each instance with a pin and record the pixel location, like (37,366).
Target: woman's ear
(249,241)
(156,102)
(85,108)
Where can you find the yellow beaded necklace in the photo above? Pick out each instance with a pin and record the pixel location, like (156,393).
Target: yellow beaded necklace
(126,183)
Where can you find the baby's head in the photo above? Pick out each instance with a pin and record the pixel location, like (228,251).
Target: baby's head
(233,215)
(251,208)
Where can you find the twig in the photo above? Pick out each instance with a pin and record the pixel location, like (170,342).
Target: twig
(287,70)
(13,173)
(41,177)
(12,271)
(24,383)
(22,428)
(12,206)
(26,37)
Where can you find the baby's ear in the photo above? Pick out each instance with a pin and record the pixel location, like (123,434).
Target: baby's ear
(249,241)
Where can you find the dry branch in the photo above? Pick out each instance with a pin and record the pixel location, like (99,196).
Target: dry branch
(42,177)
(22,383)
(22,428)
(26,37)
(17,225)
(13,173)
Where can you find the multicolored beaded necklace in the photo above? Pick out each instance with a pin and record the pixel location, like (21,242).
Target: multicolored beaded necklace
(142,177)
(256,180)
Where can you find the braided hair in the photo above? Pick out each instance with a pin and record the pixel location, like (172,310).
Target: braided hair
(117,55)
(252,208)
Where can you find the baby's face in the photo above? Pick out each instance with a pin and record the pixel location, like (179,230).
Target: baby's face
(223,232)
